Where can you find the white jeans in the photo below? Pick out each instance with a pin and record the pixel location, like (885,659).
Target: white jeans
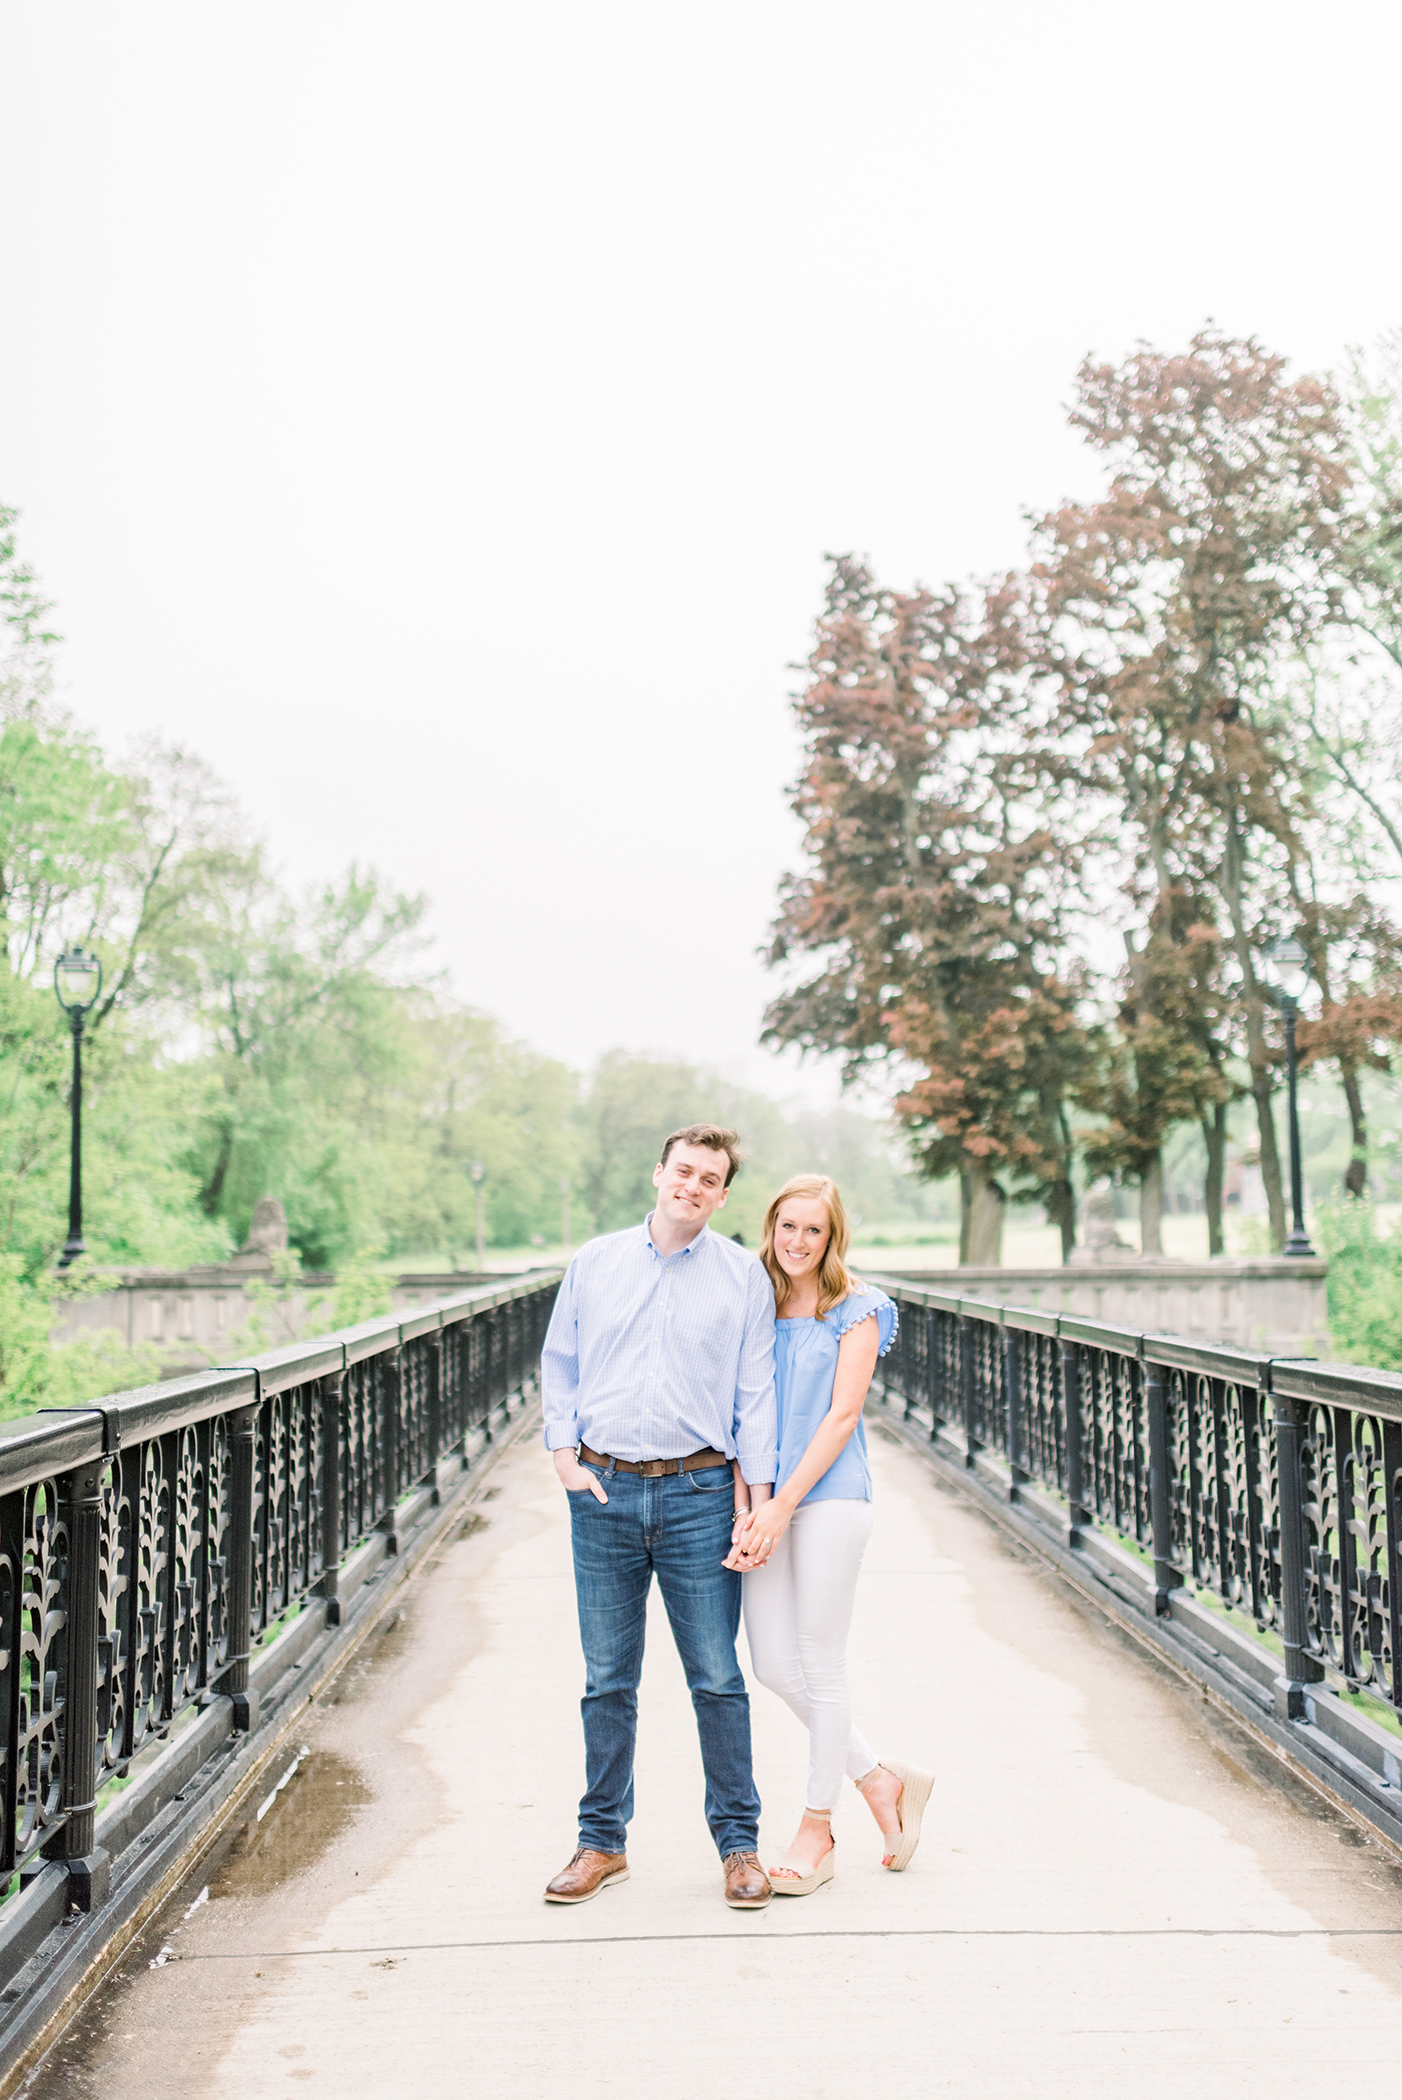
(797,1612)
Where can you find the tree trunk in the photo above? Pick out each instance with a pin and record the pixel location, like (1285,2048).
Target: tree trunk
(1253,1003)
(1261,1091)
(212,1194)
(1151,1206)
(1214,1131)
(1356,1179)
(981,1204)
(1061,1212)
(1062,1208)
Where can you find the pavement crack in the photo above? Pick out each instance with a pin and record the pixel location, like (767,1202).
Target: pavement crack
(858,1932)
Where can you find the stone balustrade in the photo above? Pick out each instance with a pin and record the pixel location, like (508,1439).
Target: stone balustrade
(200,1316)
(1273,1305)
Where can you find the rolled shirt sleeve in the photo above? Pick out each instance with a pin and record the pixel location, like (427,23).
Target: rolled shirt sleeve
(559,1369)
(756,1410)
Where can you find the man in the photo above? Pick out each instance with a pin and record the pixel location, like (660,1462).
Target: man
(657,1373)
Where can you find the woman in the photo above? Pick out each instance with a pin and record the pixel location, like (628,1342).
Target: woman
(802,1550)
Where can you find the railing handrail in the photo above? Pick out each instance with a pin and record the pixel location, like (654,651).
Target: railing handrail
(55,1440)
(177,1550)
(1374,1392)
(1270,1481)
(1259,1485)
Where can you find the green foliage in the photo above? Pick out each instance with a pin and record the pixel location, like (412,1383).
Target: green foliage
(362,1289)
(1365,1284)
(24,1338)
(930,924)
(633,1102)
(247,1043)
(1177,728)
(139,1190)
(34,1374)
(97,1363)
(468,1092)
(278,1309)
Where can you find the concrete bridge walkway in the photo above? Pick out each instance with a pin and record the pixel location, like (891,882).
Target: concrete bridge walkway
(1113,1896)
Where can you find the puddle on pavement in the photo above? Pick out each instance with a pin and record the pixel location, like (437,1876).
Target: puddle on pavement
(473,1521)
(382,1649)
(305,1819)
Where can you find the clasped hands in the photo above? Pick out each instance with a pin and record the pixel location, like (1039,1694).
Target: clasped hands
(757,1531)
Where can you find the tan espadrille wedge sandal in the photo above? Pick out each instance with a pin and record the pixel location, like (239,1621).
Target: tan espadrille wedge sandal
(793,1877)
(916,1788)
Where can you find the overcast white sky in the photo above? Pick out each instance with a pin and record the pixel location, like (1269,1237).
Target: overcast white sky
(436,413)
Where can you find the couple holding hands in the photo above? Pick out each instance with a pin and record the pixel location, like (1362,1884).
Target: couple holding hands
(704,1412)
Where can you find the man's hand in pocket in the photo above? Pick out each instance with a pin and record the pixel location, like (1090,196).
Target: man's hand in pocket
(574,1476)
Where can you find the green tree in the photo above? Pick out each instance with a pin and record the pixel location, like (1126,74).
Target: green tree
(937,896)
(301,1027)
(631,1103)
(468,1092)
(71,839)
(1172,604)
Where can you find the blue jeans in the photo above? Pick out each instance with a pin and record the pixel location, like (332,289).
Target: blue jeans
(677,1526)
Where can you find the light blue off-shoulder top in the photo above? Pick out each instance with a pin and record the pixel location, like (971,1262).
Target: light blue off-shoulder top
(805,1365)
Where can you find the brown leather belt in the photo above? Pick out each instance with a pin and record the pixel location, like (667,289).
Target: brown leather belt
(653,1468)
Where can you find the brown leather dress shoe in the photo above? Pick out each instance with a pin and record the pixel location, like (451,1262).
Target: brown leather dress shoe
(586,1874)
(746,1883)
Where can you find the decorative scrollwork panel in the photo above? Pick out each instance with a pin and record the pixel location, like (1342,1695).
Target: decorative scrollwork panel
(1044,1425)
(149,1584)
(990,1423)
(1263,1464)
(114,1608)
(173,1580)
(1365,1558)
(945,1383)
(185,1663)
(362,1452)
(12,1521)
(1324,1605)
(415,1373)
(35,1669)
(1206,1510)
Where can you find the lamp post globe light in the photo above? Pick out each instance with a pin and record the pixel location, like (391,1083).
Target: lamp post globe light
(77,982)
(478,1172)
(1288,966)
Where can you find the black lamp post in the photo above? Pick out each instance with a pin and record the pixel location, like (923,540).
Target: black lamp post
(77,982)
(1289,968)
(478,1172)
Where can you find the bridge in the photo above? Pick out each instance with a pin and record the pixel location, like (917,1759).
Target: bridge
(290,1678)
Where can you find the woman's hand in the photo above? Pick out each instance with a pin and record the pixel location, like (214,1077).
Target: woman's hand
(756,1540)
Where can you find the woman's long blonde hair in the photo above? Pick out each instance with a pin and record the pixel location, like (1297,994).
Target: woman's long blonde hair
(834,1282)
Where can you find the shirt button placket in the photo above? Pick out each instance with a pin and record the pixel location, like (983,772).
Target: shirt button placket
(658,1351)
(653,1359)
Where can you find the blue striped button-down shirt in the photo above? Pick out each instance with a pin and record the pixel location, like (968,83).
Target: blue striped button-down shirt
(654,1358)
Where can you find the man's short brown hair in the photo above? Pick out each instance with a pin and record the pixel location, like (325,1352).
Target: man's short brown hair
(712,1139)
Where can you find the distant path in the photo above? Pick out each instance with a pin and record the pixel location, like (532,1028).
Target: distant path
(1110,1900)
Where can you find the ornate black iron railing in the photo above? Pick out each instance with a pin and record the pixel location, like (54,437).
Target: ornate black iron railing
(150,1544)
(1273,1484)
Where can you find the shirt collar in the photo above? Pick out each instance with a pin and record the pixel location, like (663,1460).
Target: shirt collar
(681,1252)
